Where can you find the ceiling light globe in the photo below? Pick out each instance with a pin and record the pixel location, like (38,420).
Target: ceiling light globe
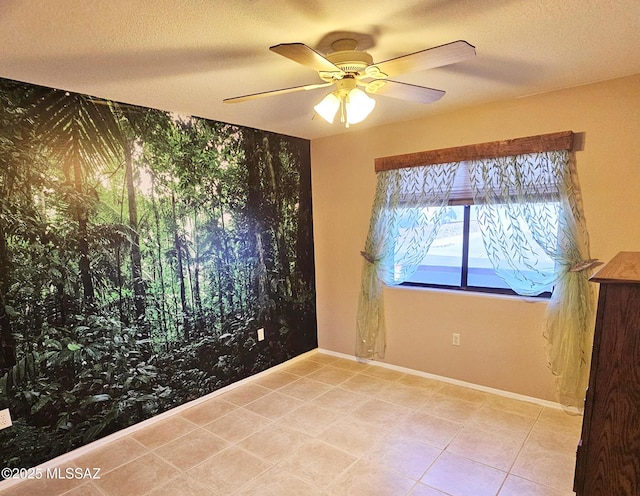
(359,106)
(328,107)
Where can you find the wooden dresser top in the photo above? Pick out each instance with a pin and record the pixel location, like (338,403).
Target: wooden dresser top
(624,268)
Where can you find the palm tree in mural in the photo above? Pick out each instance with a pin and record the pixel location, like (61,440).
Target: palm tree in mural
(83,134)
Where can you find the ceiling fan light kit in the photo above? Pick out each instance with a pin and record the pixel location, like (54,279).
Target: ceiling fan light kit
(354,74)
(353,103)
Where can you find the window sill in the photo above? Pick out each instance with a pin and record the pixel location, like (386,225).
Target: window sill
(472,293)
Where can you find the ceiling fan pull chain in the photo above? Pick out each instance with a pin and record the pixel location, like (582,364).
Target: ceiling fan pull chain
(343,111)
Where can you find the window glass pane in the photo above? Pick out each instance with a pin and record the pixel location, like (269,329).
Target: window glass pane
(443,263)
(481,272)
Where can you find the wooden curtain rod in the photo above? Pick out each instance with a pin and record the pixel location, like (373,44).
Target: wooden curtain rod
(518,146)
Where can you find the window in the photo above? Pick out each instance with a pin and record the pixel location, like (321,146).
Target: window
(526,196)
(510,197)
(457,258)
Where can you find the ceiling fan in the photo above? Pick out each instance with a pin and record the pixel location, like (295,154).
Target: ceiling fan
(354,75)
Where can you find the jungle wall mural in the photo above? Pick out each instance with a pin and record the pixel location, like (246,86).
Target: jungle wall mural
(140,251)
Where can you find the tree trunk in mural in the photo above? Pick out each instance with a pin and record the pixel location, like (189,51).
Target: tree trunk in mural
(304,236)
(186,324)
(227,277)
(83,243)
(7,341)
(197,297)
(139,296)
(122,307)
(271,150)
(254,213)
(158,264)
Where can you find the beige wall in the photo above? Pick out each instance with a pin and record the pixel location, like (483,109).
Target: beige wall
(501,338)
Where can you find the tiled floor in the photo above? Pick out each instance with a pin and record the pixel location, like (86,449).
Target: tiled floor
(329,426)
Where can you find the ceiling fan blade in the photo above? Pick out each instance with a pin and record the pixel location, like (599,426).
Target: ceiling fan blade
(404,91)
(301,53)
(282,91)
(450,53)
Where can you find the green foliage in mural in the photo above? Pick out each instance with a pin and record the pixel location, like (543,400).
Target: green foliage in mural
(139,253)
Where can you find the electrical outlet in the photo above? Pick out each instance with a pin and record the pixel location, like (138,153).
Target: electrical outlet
(455,339)
(5,419)
(261,334)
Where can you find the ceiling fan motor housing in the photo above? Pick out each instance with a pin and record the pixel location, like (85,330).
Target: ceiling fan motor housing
(348,58)
(351,61)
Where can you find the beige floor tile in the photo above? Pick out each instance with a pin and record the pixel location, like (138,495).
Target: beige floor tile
(137,477)
(112,455)
(546,467)
(228,470)
(192,448)
(494,449)
(208,411)
(352,435)
(340,400)
(407,396)
(277,482)
(303,367)
(305,389)
(86,489)
(237,425)
(499,421)
(458,476)
(383,414)
(557,417)
(324,358)
(274,405)
(383,373)
(464,393)
(274,443)
(421,382)
(428,429)
(310,419)
(275,380)
(516,486)
(245,394)
(318,463)
(365,384)
(353,365)
(181,486)
(366,479)
(163,432)
(408,457)
(514,406)
(422,490)
(561,438)
(330,375)
(451,407)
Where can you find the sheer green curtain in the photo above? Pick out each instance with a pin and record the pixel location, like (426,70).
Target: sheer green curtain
(527,211)
(406,214)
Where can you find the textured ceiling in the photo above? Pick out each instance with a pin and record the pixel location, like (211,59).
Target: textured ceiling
(186,56)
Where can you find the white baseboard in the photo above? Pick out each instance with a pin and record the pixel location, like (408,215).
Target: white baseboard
(448,380)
